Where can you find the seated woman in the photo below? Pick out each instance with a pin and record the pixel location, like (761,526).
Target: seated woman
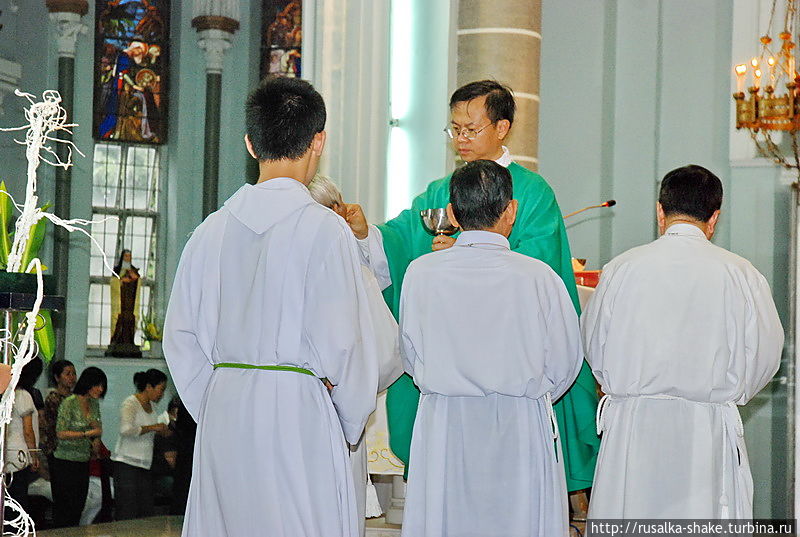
(326,193)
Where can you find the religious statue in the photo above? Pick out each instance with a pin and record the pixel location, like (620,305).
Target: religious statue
(124,308)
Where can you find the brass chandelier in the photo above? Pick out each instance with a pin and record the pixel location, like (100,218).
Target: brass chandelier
(771,101)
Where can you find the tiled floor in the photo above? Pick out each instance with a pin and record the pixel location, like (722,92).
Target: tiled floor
(170,526)
(159,526)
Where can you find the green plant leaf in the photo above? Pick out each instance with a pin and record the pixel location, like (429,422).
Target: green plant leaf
(6,209)
(34,242)
(45,336)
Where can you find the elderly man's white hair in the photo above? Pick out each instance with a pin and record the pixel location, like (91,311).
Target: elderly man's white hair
(325,192)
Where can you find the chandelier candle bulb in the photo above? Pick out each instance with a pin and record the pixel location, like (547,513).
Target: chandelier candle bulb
(741,70)
(771,63)
(757,78)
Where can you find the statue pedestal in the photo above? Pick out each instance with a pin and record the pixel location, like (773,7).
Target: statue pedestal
(124,350)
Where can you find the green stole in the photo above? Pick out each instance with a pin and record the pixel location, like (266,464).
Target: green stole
(538,232)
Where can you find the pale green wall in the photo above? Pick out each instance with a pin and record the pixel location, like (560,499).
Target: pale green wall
(423,27)
(630,90)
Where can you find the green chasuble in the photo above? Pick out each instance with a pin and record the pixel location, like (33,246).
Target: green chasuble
(538,232)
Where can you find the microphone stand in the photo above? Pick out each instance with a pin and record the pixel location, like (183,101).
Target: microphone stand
(609,203)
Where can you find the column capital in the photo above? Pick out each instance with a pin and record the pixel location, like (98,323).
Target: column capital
(68,28)
(214,42)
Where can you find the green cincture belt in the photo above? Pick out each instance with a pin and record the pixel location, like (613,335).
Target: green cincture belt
(293,369)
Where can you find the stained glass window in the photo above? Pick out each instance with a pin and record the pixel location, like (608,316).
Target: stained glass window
(130,70)
(282,38)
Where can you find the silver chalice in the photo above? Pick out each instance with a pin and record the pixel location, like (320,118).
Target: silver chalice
(435,222)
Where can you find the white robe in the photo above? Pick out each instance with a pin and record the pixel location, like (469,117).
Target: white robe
(390,369)
(678,333)
(490,337)
(272,278)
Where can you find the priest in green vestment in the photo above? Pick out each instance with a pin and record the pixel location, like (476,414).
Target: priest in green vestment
(482,113)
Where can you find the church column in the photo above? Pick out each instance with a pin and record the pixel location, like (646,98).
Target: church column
(501,39)
(215,25)
(66,14)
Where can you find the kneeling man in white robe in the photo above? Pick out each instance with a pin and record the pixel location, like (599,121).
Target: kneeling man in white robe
(491,338)
(678,333)
(268,300)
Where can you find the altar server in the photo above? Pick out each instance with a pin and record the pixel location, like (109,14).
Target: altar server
(268,300)
(678,333)
(491,338)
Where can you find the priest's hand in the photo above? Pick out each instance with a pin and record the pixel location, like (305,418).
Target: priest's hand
(354,216)
(442,242)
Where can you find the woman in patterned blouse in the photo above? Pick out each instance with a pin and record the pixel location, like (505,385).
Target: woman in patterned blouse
(63,377)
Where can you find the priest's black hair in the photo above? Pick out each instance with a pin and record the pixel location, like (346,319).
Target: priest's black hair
(691,191)
(282,116)
(91,377)
(151,377)
(480,191)
(499,100)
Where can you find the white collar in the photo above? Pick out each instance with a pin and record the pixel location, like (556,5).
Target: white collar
(685,230)
(477,236)
(505,158)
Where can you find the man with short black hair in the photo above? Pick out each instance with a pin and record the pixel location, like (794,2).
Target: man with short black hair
(491,338)
(268,303)
(481,116)
(678,333)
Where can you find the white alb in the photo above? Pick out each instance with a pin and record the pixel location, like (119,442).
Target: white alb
(678,333)
(272,278)
(491,338)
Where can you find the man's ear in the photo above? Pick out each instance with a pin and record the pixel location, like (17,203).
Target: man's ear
(451,215)
(318,143)
(249,145)
(712,224)
(660,218)
(503,126)
(511,212)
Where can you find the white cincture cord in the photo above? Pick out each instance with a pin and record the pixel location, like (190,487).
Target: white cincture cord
(598,418)
(552,415)
(732,439)
(548,399)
